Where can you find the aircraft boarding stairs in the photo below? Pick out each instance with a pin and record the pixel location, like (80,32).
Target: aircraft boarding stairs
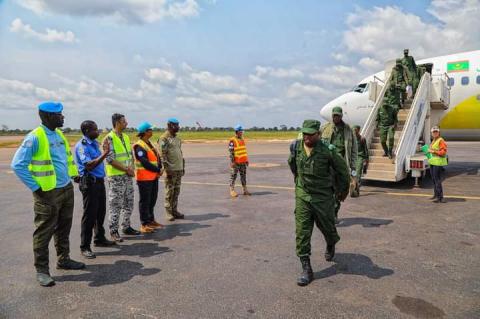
(414,122)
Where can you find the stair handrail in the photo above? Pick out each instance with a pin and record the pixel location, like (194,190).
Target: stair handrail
(413,126)
(368,128)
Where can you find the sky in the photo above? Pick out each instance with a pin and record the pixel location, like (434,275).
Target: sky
(216,62)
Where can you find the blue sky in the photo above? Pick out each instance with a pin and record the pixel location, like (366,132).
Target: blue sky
(262,63)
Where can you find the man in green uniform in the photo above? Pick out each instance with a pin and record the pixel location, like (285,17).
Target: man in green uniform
(411,68)
(392,97)
(174,164)
(387,121)
(362,158)
(312,164)
(340,135)
(399,79)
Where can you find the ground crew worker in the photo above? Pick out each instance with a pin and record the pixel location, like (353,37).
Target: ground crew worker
(148,168)
(312,164)
(340,136)
(361,164)
(438,149)
(387,122)
(89,160)
(44,163)
(119,175)
(174,165)
(238,161)
(411,68)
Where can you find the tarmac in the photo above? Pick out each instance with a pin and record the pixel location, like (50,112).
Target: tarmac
(400,255)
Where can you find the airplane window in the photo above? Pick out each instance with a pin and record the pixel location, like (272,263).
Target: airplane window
(478,79)
(362,87)
(465,80)
(451,82)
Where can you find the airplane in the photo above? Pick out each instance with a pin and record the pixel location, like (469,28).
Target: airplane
(461,121)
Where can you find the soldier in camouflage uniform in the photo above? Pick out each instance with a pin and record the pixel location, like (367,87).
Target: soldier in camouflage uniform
(174,164)
(362,158)
(399,80)
(120,171)
(321,175)
(238,161)
(387,122)
(411,68)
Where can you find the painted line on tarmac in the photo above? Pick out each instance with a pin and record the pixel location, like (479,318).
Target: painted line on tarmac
(365,192)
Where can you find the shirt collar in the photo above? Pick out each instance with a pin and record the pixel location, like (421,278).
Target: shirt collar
(47,130)
(89,141)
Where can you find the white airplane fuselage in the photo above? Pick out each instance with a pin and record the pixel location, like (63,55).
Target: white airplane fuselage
(462,118)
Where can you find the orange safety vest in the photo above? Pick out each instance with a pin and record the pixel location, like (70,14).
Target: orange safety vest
(141,173)
(239,150)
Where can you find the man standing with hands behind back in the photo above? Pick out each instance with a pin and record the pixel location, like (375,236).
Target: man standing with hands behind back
(174,164)
(120,172)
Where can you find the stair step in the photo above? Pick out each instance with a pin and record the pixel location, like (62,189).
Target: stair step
(380,175)
(397,135)
(377,140)
(378,145)
(381,166)
(376,152)
(379,159)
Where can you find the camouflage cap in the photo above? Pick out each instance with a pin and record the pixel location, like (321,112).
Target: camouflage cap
(356,127)
(398,61)
(337,110)
(405,50)
(310,126)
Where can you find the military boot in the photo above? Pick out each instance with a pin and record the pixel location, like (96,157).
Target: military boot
(330,252)
(307,273)
(45,280)
(178,215)
(233,193)
(70,264)
(169,216)
(246,192)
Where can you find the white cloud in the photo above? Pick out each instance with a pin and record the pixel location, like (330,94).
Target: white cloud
(127,11)
(383,32)
(299,90)
(165,77)
(337,76)
(370,64)
(49,36)
(282,73)
(214,82)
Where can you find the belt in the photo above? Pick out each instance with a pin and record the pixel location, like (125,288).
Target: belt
(94,179)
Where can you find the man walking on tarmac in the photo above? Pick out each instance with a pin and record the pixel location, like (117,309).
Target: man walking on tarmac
(119,175)
(238,161)
(340,136)
(387,122)
(313,163)
(89,160)
(362,159)
(44,163)
(148,168)
(174,164)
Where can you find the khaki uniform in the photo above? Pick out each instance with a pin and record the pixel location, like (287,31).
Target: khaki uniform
(174,164)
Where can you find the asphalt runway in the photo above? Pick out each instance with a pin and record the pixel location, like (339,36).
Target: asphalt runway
(400,255)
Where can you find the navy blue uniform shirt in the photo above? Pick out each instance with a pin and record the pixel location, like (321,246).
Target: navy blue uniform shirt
(87,150)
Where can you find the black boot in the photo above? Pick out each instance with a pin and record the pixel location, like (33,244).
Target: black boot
(307,274)
(330,252)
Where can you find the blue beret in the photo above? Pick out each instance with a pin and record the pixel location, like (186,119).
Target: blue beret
(173,120)
(50,107)
(143,127)
(238,128)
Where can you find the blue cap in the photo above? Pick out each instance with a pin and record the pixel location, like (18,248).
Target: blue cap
(173,120)
(143,127)
(50,107)
(238,128)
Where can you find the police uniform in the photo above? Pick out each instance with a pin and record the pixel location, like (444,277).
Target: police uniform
(92,187)
(44,163)
(174,164)
(314,194)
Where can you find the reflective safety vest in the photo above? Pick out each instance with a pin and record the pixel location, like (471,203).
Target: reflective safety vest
(141,173)
(122,153)
(239,150)
(436,160)
(41,166)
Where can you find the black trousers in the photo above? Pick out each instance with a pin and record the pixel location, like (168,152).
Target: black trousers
(436,171)
(94,209)
(148,198)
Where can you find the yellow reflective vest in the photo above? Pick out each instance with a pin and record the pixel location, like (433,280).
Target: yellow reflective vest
(122,153)
(41,166)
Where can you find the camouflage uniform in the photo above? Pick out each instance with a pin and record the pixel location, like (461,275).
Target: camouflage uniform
(120,196)
(238,168)
(172,159)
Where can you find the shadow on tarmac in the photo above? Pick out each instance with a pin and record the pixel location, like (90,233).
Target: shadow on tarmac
(136,249)
(364,221)
(176,230)
(204,217)
(110,274)
(354,264)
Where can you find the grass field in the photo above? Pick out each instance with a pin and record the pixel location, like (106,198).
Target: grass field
(14,141)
